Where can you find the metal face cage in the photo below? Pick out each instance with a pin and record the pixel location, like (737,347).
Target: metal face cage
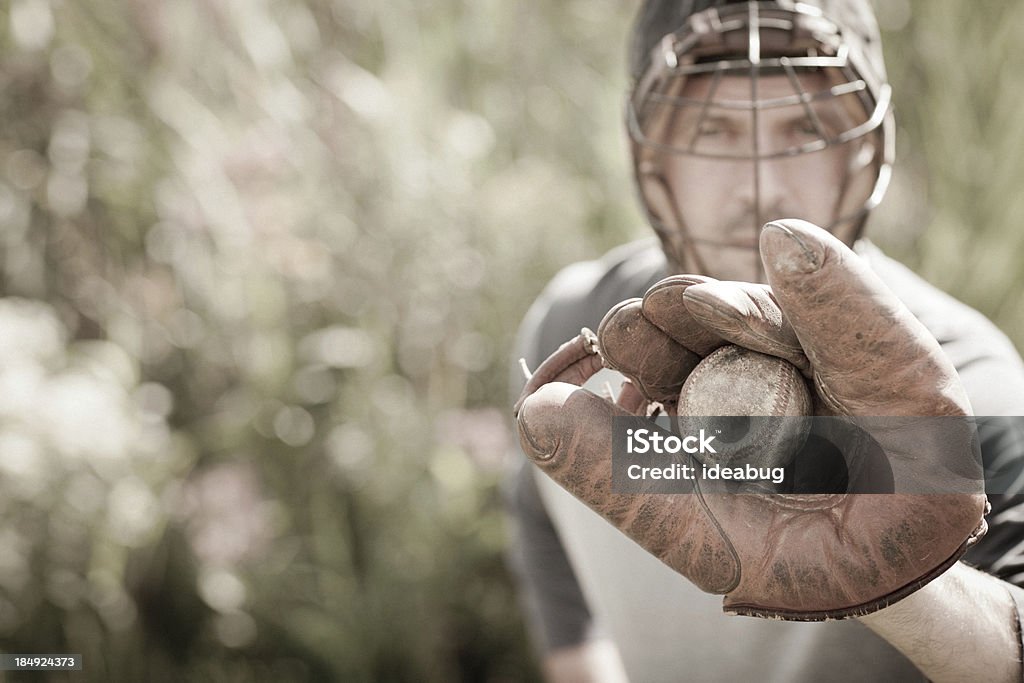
(745,93)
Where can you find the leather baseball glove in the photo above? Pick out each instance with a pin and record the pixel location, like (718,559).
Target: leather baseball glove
(791,556)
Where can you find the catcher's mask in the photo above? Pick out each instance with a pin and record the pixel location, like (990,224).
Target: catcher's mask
(709,97)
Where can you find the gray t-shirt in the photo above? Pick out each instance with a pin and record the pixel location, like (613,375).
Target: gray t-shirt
(580,577)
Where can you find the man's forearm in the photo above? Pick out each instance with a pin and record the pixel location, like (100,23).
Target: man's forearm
(961,625)
(595,661)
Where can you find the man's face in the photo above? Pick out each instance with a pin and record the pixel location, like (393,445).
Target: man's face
(722,203)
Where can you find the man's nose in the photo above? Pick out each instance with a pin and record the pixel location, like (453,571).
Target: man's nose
(765,189)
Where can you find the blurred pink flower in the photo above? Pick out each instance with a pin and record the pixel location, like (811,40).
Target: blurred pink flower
(227,519)
(481,433)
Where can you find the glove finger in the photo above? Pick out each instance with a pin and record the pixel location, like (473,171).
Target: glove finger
(870,355)
(567,433)
(747,315)
(664,306)
(574,362)
(631,344)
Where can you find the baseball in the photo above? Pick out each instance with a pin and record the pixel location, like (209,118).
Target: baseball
(752,402)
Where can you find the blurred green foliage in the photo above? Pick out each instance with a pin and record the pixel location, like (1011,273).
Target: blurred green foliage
(261,262)
(954,213)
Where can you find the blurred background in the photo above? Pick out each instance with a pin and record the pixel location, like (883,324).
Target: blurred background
(261,262)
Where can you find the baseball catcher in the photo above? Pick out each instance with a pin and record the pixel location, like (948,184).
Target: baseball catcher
(762,137)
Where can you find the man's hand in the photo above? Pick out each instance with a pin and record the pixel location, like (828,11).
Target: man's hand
(805,557)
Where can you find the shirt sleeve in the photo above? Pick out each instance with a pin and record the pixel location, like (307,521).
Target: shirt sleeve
(1001,551)
(556,612)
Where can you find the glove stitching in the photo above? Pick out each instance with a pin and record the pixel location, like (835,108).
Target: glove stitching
(737,564)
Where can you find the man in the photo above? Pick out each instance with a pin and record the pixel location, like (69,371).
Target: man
(743,114)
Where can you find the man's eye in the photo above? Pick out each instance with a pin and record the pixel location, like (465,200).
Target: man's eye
(710,129)
(805,127)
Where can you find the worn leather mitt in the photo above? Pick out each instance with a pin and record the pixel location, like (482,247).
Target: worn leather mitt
(796,557)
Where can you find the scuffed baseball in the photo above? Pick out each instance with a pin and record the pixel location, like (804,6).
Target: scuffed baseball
(735,382)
